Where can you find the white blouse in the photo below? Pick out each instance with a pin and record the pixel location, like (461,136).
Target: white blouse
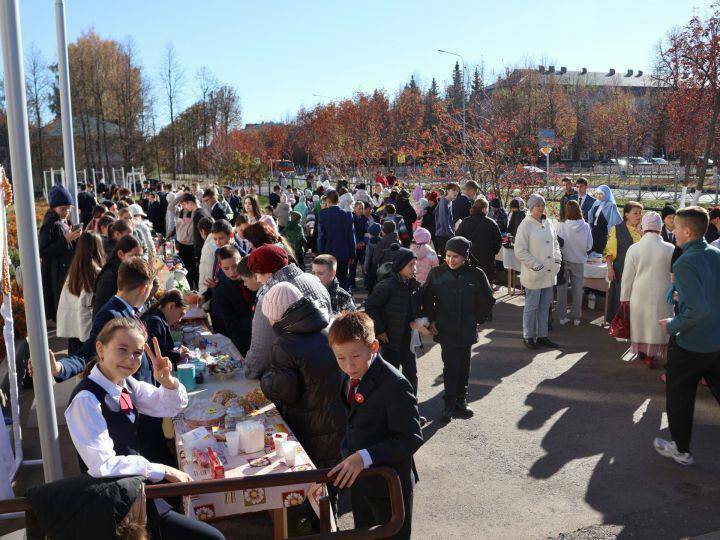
(90,435)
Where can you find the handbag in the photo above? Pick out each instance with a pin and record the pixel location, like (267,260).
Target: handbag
(620,325)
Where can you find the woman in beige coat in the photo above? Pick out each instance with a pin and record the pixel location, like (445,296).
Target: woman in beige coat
(645,281)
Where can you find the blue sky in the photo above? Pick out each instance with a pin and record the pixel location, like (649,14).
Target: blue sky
(278,53)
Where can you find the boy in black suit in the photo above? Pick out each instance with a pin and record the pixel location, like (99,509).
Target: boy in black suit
(383,422)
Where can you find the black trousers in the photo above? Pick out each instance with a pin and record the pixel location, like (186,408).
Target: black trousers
(456,372)
(369,511)
(684,371)
(359,259)
(440,242)
(187,256)
(342,274)
(179,527)
(405,360)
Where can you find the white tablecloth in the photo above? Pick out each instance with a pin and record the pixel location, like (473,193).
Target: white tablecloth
(596,270)
(511,262)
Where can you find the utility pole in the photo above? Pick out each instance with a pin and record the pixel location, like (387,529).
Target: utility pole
(19,137)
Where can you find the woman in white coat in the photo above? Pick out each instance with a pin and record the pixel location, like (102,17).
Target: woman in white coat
(537,249)
(645,281)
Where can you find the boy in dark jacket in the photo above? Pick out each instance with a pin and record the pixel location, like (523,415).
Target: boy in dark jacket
(456,298)
(233,302)
(383,422)
(394,305)
(373,239)
(159,321)
(303,378)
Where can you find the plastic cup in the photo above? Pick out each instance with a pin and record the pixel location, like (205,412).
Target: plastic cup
(278,440)
(290,452)
(233,442)
(186,375)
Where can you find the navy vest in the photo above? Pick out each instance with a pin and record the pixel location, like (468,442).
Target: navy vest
(123,432)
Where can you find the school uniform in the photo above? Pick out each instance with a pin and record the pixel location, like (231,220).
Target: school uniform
(384,426)
(103,421)
(157,327)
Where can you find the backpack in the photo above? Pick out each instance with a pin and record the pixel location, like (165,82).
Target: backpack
(385,270)
(184,230)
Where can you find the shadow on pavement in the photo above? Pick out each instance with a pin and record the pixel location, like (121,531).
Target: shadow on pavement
(613,409)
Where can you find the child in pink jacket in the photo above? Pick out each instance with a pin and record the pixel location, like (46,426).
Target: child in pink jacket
(427,259)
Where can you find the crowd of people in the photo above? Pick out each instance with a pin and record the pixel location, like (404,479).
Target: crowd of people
(427,261)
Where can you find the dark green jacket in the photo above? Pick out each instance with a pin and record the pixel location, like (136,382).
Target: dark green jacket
(295,235)
(393,305)
(457,301)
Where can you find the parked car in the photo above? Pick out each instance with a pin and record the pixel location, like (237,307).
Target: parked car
(636,160)
(658,161)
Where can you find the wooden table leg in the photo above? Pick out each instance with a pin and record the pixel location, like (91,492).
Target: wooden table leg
(279,517)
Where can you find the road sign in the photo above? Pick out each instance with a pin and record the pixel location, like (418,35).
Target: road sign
(546,137)
(545,150)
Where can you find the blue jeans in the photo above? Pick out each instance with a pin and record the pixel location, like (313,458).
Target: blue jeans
(536,312)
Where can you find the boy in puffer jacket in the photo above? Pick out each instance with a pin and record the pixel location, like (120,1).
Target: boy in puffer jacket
(368,271)
(427,259)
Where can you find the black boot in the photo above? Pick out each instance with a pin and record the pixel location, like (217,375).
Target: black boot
(530,344)
(447,414)
(463,411)
(545,342)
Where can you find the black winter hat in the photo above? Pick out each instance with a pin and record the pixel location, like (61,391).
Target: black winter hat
(401,256)
(459,245)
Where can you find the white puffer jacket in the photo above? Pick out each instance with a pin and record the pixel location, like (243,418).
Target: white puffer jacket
(536,245)
(74,314)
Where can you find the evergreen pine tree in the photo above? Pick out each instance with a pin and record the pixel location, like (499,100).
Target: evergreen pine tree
(456,91)
(431,99)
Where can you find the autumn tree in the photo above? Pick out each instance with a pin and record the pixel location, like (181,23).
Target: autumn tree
(38,84)
(171,77)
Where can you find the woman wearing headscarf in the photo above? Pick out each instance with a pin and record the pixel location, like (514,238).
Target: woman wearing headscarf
(301,207)
(602,217)
(537,249)
(645,281)
(517,214)
(622,236)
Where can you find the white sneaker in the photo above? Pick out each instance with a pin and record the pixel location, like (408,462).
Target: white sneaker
(576,322)
(563,322)
(669,449)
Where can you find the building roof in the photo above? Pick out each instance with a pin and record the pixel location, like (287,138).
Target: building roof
(628,79)
(54,128)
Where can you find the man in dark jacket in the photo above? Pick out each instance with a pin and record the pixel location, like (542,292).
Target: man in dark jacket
(336,236)
(232,305)
(456,298)
(485,236)
(585,200)
(155,213)
(569,195)
(394,304)
(360,223)
(461,206)
(86,203)
(233,200)
(303,378)
(408,214)
(210,200)
(274,197)
(383,423)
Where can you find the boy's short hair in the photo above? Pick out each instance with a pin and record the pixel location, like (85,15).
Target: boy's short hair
(206,224)
(472,184)
(134,273)
(222,226)
(210,192)
(452,185)
(388,227)
(714,213)
(241,219)
(244,269)
(120,226)
(227,252)
(332,196)
(327,260)
(390,209)
(695,218)
(105,221)
(581,180)
(352,326)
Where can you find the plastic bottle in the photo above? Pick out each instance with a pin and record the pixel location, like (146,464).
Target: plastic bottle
(592,300)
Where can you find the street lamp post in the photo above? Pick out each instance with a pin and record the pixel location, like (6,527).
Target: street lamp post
(464,132)
(19,142)
(66,106)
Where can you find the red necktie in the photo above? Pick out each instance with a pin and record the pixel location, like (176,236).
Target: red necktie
(126,404)
(352,389)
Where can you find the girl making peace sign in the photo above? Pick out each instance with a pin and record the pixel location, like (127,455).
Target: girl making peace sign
(102,417)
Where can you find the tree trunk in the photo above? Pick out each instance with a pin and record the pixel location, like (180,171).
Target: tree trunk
(710,137)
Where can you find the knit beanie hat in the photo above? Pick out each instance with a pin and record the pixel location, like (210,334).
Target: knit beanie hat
(267,259)
(270,221)
(401,257)
(459,245)
(59,196)
(421,235)
(495,203)
(534,200)
(295,216)
(651,222)
(374,229)
(278,299)
(667,211)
